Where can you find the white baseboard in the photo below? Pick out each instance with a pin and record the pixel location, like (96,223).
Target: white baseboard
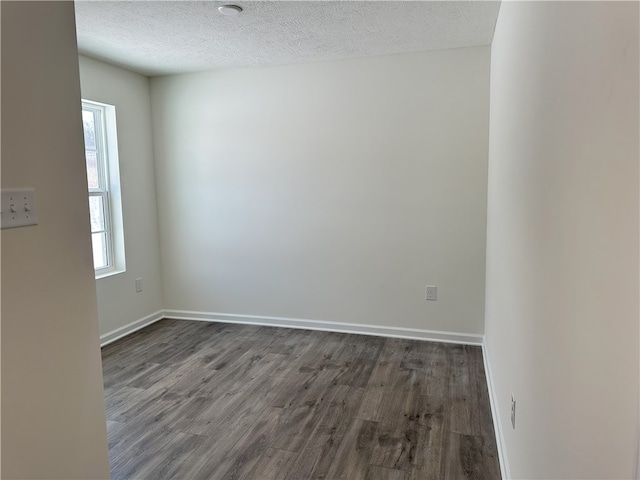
(497,426)
(125,330)
(361,329)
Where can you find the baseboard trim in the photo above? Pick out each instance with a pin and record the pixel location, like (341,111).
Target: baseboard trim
(361,329)
(125,330)
(497,426)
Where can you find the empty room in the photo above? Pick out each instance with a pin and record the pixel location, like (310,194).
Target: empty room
(320,240)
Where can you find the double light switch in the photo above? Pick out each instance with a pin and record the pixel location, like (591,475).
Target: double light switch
(18,208)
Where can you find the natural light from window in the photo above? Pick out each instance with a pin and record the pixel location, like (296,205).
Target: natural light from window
(102,176)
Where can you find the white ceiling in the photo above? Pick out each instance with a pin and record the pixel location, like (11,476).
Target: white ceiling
(167,37)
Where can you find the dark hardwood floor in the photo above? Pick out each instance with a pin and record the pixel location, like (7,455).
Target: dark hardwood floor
(195,400)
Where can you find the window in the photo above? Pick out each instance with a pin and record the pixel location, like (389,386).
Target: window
(105,207)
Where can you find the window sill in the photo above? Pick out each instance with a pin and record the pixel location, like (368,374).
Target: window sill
(110,273)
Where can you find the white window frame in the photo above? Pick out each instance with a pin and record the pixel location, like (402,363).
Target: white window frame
(108,186)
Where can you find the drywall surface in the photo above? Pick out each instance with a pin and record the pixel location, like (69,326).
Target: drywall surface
(331,191)
(53,422)
(562,228)
(118,302)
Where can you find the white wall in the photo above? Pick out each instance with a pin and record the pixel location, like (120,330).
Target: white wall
(118,302)
(329,191)
(53,423)
(562,254)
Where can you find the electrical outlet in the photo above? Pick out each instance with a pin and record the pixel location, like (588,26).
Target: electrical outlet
(513,411)
(138,285)
(431,292)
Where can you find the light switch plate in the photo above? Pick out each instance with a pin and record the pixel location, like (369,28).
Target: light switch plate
(18,208)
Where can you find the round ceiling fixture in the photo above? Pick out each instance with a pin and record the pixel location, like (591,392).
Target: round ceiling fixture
(230,10)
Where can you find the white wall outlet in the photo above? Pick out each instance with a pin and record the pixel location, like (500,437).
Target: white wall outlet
(18,208)
(513,411)
(138,285)
(431,292)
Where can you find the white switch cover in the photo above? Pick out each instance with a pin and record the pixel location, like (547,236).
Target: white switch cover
(18,208)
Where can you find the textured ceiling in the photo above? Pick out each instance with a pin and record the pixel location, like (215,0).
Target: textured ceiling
(165,37)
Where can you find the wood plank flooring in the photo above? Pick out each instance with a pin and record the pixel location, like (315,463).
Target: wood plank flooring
(196,400)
